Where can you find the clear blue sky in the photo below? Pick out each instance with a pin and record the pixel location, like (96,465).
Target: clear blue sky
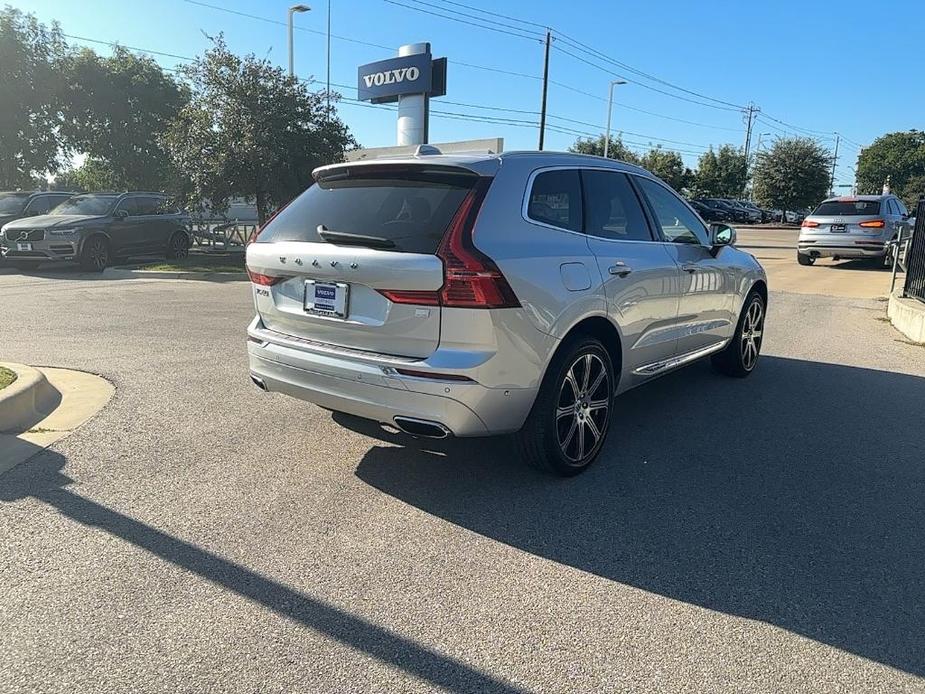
(819,66)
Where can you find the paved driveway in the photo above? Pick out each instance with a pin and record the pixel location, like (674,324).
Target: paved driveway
(762,535)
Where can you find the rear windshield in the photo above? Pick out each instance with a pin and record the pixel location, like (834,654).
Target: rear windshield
(848,208)
(12,204)
(407,208)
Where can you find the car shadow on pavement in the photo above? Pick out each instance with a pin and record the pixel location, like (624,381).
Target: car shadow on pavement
(42,478)
(795,497)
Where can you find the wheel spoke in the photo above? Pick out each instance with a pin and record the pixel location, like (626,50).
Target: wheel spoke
(569,435)
(564,412)
(587,378)
(595,432)
(570,379)
(581,441)
(596,405)
(597,382)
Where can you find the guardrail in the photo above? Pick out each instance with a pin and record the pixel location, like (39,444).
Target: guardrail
(219,230)
(914,258)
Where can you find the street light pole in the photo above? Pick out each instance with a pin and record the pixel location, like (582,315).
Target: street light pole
(292,11)
(613,83)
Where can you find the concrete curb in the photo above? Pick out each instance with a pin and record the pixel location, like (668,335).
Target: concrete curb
(27,400)
(907,316)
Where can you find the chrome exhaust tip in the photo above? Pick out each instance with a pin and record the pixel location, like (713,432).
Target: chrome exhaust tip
(259,383)
(421,428)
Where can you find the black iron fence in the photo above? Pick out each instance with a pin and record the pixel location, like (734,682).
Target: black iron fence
(915,257)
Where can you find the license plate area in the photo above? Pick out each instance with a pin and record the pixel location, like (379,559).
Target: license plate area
(331,299)
(23,246)
(837,228)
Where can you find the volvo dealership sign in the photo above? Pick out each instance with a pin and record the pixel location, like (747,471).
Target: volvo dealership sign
(411,79)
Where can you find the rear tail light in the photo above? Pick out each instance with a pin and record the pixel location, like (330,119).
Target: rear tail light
(873,224)
(470,278)
(810,224)
(263,280)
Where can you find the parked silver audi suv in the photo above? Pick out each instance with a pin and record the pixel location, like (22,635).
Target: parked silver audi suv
(488,294)
(859,226)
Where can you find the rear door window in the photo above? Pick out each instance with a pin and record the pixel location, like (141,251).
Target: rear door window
(410,207)
(612,210)
(847,208)
(38,205)
(555,199)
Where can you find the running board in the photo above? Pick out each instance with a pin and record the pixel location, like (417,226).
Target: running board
(673,363)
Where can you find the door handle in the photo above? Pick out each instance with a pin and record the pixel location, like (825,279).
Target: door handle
(620,269)
(687,267)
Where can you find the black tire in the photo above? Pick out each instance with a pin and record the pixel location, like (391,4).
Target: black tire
(94,256)
(740,357)
(178,246)
(555,442)
(804,259)
(884,262)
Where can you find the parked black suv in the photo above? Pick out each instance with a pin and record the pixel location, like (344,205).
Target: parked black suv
(18,204)
(97,228)
(710,213)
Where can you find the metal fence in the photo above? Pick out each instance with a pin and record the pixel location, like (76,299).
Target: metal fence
(915,257)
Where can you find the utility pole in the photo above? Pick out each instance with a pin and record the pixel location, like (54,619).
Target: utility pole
(329,61)
(545,89)
(834,163)
(751,111)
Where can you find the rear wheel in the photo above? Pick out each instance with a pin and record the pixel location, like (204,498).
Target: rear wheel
(740,357)
(804,259)
(94,257)
(570,418)
(178,246)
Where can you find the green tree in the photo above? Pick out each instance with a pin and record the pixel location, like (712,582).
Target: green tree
(117,110)
(250,130)
(722,173)
(595,146)
(30,98)
(668,166)
(899,155)
(912,191)
(794,174)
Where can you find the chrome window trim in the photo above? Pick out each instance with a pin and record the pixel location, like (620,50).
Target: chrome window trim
(572,167)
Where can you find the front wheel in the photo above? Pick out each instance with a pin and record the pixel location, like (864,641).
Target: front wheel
(740,357)
(570,418)
(94,256)
(178,246)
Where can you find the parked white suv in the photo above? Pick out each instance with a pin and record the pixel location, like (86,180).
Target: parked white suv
(478,295)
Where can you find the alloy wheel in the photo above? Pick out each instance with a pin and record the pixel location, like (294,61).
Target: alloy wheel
(178,248)
(98,254)
(583,408)
(752,330)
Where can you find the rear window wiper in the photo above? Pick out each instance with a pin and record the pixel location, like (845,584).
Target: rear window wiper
(345,239)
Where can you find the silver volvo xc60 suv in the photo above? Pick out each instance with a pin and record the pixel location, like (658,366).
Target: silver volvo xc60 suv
(489,294)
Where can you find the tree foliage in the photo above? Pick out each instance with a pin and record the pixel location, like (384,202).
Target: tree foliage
(250,130)
(668,166)
(794,174)
(595,146)
(116,110)
(899,156)
(722,173)
(30,98)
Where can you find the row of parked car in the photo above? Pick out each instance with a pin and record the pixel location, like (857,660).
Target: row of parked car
(94,229)
(742,211)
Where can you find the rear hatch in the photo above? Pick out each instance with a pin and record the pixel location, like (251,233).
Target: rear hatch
(351,262)
(849,216)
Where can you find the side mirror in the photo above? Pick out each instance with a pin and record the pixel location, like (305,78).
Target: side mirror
(121,214)
(722,235)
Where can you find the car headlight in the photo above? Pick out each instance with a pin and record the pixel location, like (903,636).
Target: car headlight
(62,232)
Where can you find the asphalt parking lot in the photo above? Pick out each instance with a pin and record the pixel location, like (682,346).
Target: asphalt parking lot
(762,535)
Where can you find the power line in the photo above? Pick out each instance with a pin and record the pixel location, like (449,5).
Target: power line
(115,44)
(463,21)
(644,86)
(797,128)
(495,14)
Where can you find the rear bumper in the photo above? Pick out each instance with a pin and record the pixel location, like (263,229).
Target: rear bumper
(367,385)
(843,248)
